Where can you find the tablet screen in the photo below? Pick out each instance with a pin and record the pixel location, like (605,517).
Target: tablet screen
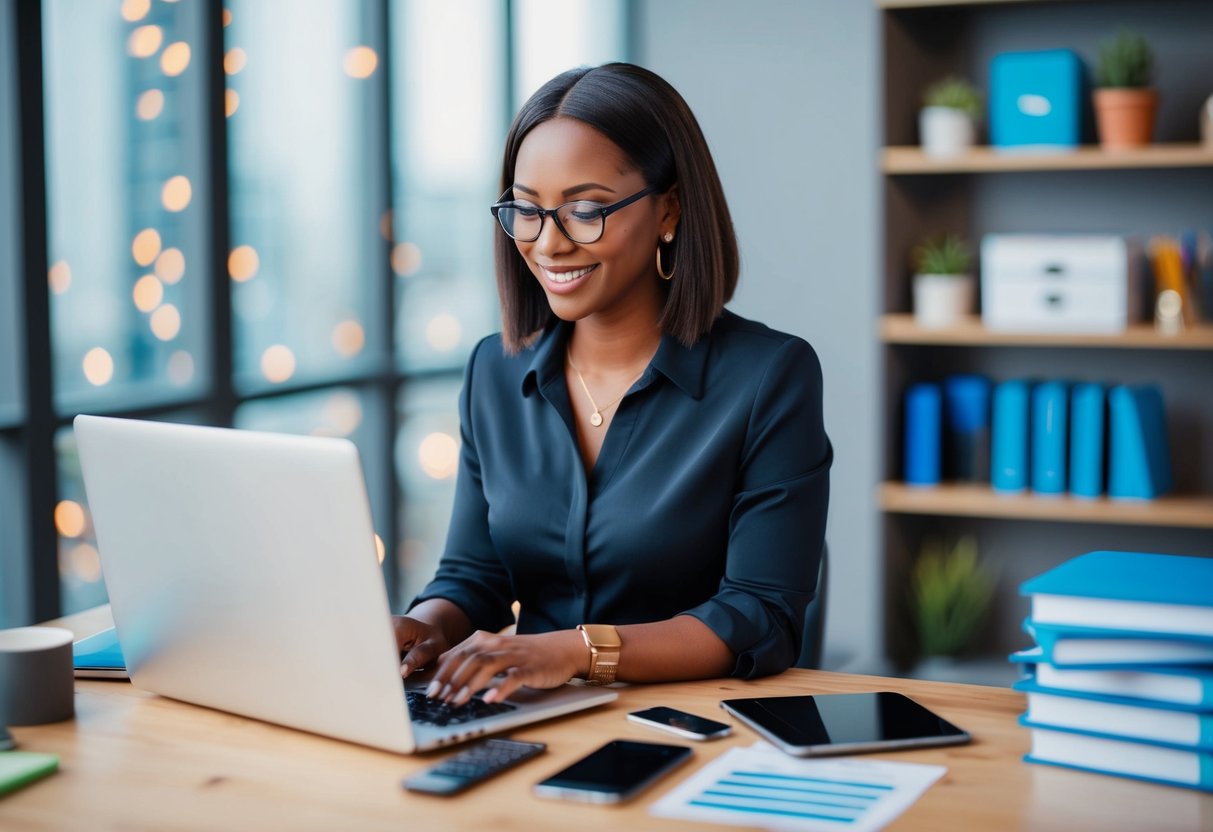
(845,722)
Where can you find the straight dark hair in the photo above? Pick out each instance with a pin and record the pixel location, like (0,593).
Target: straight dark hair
(651,123)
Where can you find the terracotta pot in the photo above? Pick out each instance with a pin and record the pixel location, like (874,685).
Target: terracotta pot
(1125,116)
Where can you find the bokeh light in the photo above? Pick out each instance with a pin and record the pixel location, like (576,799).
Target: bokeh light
(360,62)
(145,41)
(242,263)
(231,102)
(146,246)
(277,364)
(180,368)
(70,520)
(148,293)
(133,10)
(166,322)
(98,367)
(406,258)
(443,332)
(175,59)
(170,265)
(149,105)
(348,338)
(235,60)
(60,277)
(439,455)
(176,194)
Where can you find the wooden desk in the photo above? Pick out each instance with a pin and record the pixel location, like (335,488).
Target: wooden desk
(135,761)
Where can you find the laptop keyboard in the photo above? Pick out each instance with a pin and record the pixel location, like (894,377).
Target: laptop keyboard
(423,709)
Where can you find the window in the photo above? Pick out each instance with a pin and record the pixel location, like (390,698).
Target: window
(331,279)
(126,201)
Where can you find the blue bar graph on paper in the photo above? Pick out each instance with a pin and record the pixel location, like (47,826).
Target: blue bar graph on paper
(815,798)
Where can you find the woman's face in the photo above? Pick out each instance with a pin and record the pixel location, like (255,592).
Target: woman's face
(563,160)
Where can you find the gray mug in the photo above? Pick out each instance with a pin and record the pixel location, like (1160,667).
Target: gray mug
(36,681)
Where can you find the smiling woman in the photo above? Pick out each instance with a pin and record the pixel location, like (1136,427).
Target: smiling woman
(643,471)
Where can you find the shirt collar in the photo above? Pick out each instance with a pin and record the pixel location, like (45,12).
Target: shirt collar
(684,366)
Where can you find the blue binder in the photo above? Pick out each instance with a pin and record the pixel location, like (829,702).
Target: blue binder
(924,405)
(1129,576)
(1049,428)
(1087,440)
(1139,460)
(1009,465)
(1036,99)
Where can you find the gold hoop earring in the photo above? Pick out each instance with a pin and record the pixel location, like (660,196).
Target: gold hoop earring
(668,238)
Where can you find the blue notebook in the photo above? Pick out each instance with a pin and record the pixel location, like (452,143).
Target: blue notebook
(1050,429)
(1139,459)
(1086,440)
(99,657)
(1128,576)
(1150,762)
(1184,688)
(1203,712)
(1009,457)
(1088,648)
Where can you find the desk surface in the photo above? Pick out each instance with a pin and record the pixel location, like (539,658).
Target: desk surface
(133,760)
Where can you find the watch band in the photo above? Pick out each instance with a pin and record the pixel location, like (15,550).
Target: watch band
(605,645)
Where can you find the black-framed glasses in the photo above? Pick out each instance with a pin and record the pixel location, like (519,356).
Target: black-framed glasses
(581,221)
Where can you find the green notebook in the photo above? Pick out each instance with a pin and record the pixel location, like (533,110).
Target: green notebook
(20,768)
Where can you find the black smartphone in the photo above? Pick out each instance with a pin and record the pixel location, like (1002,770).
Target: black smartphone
(615,772)
(680,723)
(845,723)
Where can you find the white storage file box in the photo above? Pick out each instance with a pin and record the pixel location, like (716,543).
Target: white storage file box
(1058,283)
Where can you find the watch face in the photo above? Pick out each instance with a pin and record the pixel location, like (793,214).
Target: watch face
(602,636)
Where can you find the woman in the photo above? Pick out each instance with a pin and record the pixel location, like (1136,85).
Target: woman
(646,473)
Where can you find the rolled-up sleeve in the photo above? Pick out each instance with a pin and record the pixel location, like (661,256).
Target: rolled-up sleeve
(777,523)
(470,573)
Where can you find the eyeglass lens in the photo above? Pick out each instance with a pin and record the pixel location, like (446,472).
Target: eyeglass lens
(582,222)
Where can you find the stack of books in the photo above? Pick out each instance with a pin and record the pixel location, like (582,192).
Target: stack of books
(1121,678)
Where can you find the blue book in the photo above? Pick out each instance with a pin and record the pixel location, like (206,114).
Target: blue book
(1139,457)
(99,657)
(923,434)
(1050,425)
(1193,724)
(1086,440)
(1138,760)
(1184,688)
(1126,591)
(1009,463)
(1089,648)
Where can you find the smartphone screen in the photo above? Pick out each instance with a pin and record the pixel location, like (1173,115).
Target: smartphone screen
(680,723)
(845,723)
(615,772)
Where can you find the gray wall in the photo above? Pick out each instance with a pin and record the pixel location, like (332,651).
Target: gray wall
(787,93)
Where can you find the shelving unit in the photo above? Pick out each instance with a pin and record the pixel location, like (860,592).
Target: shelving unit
(1164,188)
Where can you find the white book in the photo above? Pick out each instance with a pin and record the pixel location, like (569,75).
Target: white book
(1129,721)
(1122,757)
(1179,687)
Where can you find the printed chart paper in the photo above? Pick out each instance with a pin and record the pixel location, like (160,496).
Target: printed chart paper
(762,786)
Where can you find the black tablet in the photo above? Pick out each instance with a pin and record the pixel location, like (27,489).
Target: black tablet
(844,723)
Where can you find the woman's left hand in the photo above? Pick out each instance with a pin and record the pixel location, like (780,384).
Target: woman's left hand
(544,660)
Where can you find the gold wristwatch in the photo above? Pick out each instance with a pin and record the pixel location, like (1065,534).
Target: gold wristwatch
(603,641)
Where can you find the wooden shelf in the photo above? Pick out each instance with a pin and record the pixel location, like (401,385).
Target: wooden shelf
(911,159)
(956,500)
(901,329)
(929,4)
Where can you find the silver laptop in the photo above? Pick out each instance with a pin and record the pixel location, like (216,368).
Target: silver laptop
(242,574)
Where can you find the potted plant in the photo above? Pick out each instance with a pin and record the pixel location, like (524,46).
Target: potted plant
(943,286)
(1125,103)
(947,123)
(950,595)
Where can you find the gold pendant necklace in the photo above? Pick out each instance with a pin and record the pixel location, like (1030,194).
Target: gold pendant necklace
(596,416)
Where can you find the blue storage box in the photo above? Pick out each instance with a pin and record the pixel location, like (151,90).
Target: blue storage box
(1036,99)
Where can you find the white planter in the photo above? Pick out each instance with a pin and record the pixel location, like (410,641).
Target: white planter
(1206,123)
(942,300)
(945,132)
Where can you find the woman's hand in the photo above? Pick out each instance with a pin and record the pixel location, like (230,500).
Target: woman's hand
(419,643)
(545,660)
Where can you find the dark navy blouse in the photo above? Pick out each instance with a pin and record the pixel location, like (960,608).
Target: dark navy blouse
(708,497)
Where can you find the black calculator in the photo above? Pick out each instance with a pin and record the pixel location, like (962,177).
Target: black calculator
(473,765)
